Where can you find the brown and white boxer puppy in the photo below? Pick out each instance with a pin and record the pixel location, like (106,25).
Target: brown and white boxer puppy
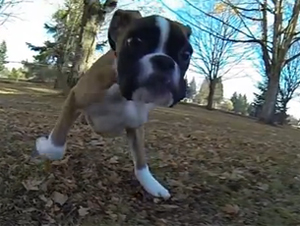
(145,68)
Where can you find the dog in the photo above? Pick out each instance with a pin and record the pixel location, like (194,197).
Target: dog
(144,68)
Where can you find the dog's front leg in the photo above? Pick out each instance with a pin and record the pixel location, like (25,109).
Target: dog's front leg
(53,147)
(150,184)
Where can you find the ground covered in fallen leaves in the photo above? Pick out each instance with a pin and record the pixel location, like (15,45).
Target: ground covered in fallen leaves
(221,169)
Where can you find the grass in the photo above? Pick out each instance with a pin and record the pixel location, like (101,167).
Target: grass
(221,169)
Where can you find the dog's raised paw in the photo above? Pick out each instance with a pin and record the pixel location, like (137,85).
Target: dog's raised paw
(46,149)
(150,184)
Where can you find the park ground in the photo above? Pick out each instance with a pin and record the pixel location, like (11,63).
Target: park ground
(221,169)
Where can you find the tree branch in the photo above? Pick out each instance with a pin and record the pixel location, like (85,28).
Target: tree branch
(291,59)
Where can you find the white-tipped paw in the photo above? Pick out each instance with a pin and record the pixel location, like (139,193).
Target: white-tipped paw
(150,184)
(45,148)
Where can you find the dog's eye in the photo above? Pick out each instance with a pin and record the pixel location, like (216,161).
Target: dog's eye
(133,41)
(185,55)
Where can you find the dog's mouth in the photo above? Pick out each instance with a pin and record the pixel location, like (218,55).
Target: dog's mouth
(158,96)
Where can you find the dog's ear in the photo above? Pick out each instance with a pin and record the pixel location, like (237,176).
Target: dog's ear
(110,5)
(187,30)
(119,22)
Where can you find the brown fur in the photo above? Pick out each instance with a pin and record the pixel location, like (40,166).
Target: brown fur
(97,96)
(92,89)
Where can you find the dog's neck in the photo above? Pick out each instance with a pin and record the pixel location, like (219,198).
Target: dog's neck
(115,62)
(115,53)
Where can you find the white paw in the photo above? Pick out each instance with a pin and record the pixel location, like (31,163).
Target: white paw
(150,184)
(45,148)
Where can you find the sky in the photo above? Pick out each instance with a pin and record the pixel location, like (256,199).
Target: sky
(28,27)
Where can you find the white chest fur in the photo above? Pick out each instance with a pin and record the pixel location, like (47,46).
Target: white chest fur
(115,113)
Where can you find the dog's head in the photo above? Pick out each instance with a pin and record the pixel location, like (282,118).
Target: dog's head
(153,55)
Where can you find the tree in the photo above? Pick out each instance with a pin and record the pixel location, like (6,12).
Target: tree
(16,74)
(192,89)
(3,55)
(259,99)
(289,83)
(203,94)
(92,18)
(279,116)
(290,79)
(235,101)
(7,10)
(226,105)
(213,57)
(272,27)
(64,28)
(292,120)
(245,104)
(240,103)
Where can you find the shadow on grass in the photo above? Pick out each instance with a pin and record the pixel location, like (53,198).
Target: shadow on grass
(27,88)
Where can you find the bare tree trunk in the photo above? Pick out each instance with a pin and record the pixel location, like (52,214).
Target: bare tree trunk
(92,18)
(268,108)
(60,82)
(86,40)
(211,94)
(283,114)
(56,84)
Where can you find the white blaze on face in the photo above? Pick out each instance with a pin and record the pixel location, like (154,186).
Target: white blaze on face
(164,27)
(146,65)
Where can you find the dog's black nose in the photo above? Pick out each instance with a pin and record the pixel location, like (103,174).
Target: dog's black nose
(163,63)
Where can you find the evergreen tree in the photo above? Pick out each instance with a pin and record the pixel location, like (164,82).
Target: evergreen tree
(16,73)
(201,96)
(219,92)
(64,28)
(245,104)
(240,103)
(68,28)
(234,99)
(259,99)
(3,55)
(192,88)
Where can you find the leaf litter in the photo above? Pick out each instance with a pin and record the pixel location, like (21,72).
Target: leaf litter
(221,170)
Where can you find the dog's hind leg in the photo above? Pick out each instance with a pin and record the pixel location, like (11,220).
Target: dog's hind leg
(53,147)
(142,172)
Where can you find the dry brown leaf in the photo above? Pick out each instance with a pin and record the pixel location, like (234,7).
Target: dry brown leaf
(167,206)
(61,162)
(114,160)
(156,200)
(43,198)
(31,184)
(263,187)
(175,183)
(83,211)
(161,222)
(231,209)
(47,183)
(59,198)
(49,203)
(96,143)
(29,210)
(49,219)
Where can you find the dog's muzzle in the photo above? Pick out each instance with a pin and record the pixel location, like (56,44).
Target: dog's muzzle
(158,80)
(162,63)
